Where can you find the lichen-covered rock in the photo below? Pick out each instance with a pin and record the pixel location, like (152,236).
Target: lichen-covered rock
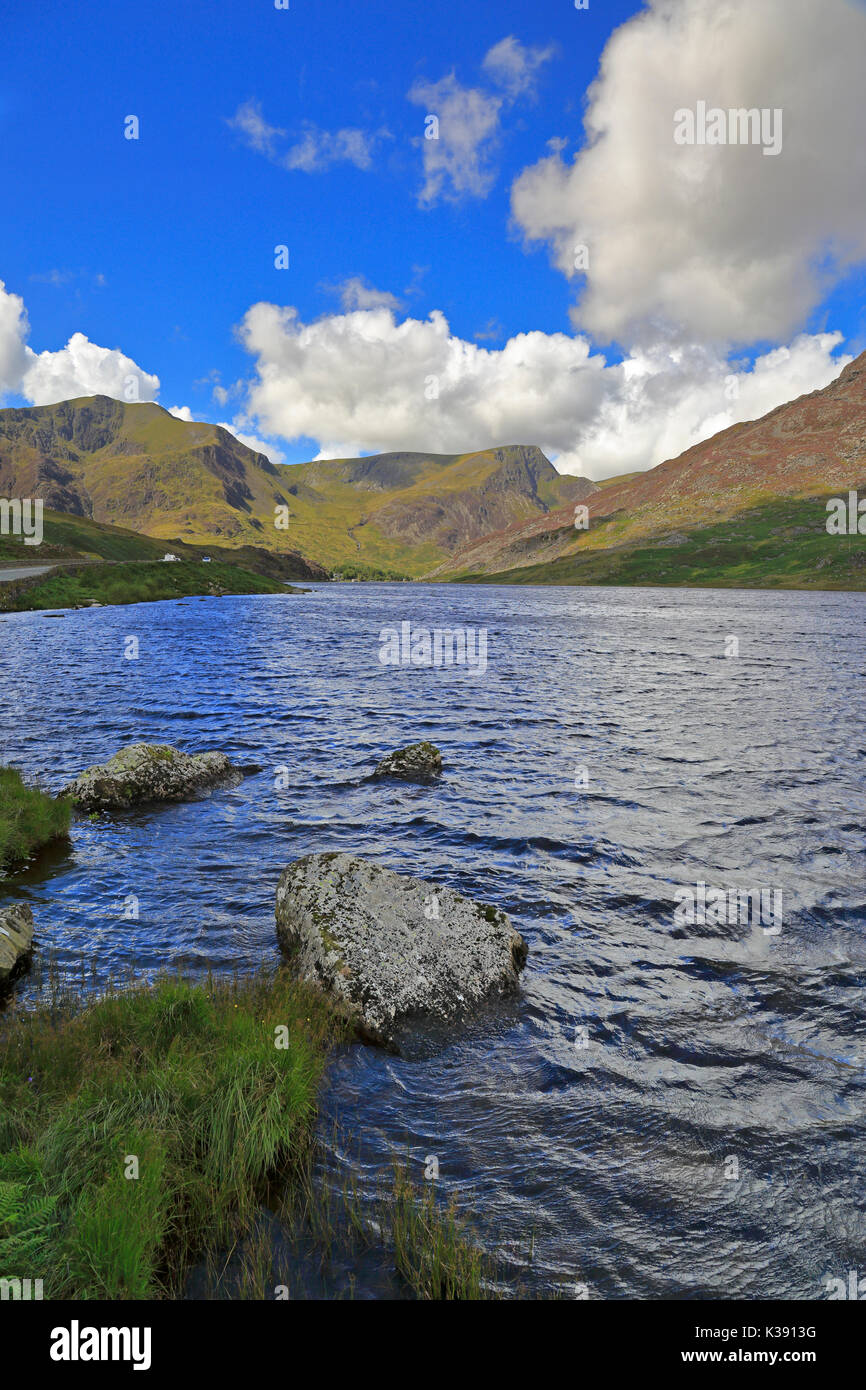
(149,772)
(417,763)
(390,947)
(16,937)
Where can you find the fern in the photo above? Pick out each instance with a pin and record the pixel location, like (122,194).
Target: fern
(26,1213)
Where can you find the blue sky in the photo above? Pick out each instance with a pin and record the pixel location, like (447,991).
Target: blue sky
(304,127)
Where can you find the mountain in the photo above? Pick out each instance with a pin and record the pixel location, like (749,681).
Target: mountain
(411,511)
(747,505)
(138,467)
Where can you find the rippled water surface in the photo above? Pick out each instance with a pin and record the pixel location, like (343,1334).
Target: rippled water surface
(600,1115)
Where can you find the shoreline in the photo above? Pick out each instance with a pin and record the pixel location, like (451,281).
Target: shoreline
(120,584)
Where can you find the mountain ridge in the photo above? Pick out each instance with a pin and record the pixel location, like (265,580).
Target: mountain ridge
(136,466)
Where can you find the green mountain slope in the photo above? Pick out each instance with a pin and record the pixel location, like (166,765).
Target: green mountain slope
(412,511)
(68,539)
(138,467)
(782,544)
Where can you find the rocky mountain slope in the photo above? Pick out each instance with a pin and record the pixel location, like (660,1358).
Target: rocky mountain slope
(413,511)
(813,447)
(138,467)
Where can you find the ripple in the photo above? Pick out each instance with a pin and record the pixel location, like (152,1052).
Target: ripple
(600,1113)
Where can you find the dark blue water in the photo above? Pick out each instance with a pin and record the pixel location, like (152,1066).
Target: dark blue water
(704,1044)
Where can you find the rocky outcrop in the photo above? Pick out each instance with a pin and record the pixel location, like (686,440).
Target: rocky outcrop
(149,772)
(418,763)
(390,948)
(16,937)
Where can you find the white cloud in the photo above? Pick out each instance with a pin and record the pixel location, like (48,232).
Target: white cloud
(711,243)
(84,369)
(319,149)
(514,67)
(660,402)
(355,293)
(460,161)
(251,124)
(365,381)
(14,329)
(181,412)
(315,150)
(81,368)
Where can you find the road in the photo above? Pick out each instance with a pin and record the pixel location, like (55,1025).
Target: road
(9,574)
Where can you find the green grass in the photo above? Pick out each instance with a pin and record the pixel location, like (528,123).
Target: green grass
(186,1080)
(434,1251)
(76,538)
(132,583)
(782,544)
(29,818)
(69,537)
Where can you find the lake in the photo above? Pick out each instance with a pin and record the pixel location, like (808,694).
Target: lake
(674,1106)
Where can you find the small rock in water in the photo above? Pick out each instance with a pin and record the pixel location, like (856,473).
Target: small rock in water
(417,763)
(149,772)
(390,947)
(16,937)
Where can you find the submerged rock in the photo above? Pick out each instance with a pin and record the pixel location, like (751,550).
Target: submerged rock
(149,772)
(417,763)
(390,947)
(16,937)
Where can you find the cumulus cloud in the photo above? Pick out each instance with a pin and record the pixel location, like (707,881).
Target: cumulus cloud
(14,330)
(659,402)
(84,369)
(181,412)
(81,368)
(365,381)
(718,243)
(460,153)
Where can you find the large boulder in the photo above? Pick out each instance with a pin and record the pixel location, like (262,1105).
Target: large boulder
(149,772)
(418,763)
(16,937)
(389,947)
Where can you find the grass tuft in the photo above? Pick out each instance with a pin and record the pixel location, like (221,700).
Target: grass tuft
(149,1124)
(29,818)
